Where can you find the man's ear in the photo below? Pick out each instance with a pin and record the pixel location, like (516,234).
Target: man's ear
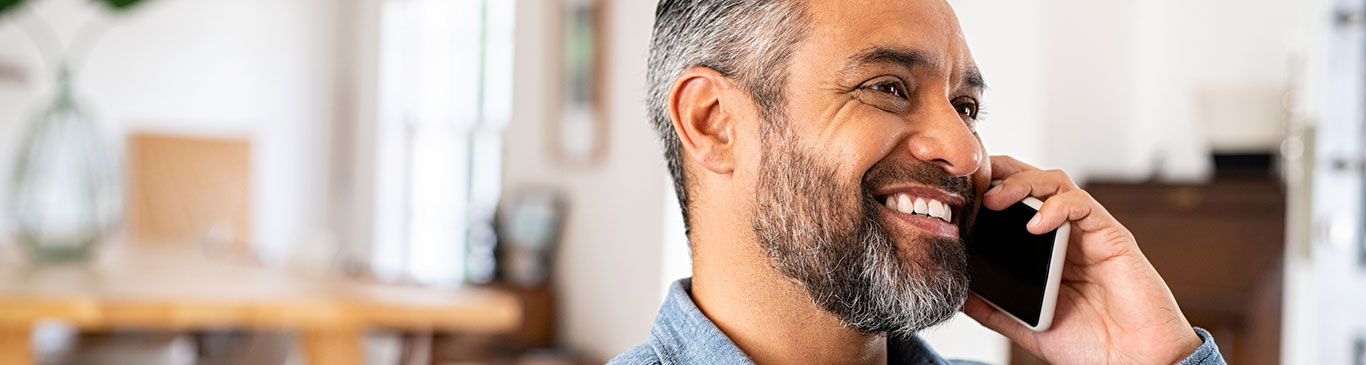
(705,127)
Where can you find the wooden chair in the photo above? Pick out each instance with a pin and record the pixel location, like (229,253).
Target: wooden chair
(189,189)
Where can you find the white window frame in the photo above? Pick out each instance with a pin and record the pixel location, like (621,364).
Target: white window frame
(442,71)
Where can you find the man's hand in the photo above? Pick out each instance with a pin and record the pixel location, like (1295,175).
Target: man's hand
(1112,305)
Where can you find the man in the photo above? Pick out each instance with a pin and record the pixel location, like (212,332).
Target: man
(786,125)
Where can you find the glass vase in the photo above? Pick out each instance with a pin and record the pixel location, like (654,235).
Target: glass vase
(67,184)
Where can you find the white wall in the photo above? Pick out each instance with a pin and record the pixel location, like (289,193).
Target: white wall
(260,69)
(1141,89)
(609,256)
(1308,268)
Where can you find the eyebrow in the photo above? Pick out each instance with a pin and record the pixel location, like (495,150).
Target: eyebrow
(972,77)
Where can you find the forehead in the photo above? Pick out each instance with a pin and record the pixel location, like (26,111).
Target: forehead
(842,28)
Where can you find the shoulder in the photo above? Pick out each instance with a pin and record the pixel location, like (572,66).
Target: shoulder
(639,355)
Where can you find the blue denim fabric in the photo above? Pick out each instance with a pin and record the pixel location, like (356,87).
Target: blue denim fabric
(683,335)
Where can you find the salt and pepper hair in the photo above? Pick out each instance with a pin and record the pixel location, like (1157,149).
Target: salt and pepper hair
(749,41)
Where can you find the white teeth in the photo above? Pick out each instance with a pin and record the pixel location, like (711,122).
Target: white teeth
(933,208)
(903,203)
(936,209)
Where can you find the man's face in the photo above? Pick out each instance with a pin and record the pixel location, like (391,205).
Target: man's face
(881,104)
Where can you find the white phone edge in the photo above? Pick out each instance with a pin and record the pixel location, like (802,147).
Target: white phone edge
(1055,263)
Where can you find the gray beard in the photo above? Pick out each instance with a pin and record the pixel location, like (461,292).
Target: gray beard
(827,237)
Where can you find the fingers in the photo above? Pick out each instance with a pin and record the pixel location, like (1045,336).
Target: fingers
(1036,183)
(1074,205)
(1063,201)
(994,319)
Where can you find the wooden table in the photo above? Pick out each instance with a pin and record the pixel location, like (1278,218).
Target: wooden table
(174,288)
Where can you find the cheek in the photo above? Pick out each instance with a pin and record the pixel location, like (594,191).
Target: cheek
(865,139)
(748,162)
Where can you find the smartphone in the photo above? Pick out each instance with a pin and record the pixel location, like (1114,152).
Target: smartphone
(1013,270)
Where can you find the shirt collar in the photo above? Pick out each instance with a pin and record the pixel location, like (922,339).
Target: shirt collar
(683,335)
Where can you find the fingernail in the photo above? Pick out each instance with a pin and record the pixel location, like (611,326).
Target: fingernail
(994,190)
(1035,221)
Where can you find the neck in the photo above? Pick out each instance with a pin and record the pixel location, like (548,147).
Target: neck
(770,317)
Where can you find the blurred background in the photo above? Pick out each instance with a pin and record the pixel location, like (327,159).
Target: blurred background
(475,181)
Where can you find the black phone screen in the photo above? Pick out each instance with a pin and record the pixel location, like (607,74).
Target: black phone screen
(1007,265)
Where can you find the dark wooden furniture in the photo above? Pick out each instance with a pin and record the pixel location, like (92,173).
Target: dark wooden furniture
(1219,247)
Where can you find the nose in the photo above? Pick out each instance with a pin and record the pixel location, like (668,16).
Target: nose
(941,137)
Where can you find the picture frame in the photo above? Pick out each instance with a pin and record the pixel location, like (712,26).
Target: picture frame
(579,129)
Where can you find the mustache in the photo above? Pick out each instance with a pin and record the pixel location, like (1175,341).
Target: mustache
(886,173)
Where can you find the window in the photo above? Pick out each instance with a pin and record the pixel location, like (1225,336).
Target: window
(445,76)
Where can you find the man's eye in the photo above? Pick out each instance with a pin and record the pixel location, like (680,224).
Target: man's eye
(893,88)
(967,108)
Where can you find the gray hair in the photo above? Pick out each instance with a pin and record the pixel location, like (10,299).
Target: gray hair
(749,41)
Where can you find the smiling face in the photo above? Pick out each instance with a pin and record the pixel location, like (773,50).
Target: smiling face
(867,176)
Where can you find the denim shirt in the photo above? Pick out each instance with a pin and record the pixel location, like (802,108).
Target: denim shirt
(683,335)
